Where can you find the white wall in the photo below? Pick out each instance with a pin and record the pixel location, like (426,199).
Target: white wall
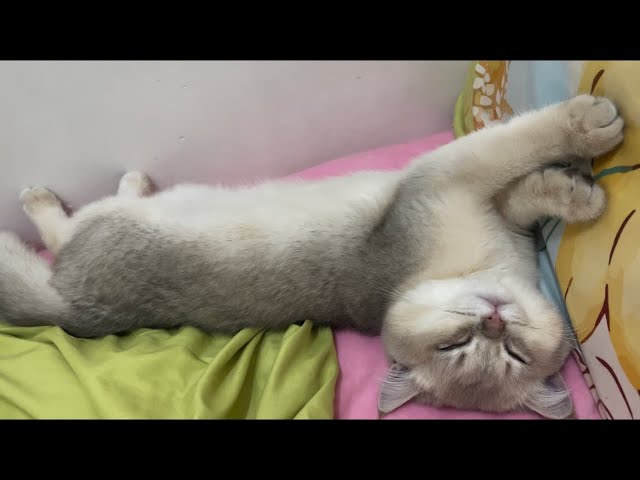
(76,126)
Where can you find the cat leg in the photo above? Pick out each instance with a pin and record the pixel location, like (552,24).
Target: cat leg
(135,184)
(566,193)
(47,214)
(490,159)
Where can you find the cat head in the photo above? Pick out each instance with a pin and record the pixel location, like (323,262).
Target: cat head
(476,344)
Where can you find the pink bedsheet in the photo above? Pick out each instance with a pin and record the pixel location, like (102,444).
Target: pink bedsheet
(361,358)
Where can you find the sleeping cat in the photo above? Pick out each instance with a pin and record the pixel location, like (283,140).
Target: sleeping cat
(438,258)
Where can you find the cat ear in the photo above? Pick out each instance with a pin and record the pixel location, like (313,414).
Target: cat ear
(397,389)
(552,400)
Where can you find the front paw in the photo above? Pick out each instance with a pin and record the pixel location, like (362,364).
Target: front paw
(594,125)
(575,194)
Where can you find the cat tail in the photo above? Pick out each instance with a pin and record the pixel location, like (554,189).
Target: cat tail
(26,297)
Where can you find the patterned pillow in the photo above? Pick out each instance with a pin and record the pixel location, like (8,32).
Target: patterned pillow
(484,98)
(598,265)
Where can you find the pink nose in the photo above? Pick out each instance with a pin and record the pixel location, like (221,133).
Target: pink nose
(492,326)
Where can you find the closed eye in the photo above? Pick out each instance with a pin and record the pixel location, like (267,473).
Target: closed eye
(453,346)
(514,355)
(459,312)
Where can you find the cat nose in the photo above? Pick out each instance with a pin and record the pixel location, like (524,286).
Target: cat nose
(493,325)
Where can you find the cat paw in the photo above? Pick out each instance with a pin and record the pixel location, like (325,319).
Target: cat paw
(135,184)
(576,195)
(37,199)
(594,124)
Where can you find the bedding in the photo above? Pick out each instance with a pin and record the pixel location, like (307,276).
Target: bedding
(159,374)
(304,372)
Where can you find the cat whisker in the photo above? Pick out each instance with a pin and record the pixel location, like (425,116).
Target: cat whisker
(565,337)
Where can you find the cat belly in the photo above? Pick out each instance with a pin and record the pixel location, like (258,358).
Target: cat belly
(120,273)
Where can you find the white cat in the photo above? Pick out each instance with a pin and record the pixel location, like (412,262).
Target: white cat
(437,257)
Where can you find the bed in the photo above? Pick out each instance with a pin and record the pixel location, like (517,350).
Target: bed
(305,372)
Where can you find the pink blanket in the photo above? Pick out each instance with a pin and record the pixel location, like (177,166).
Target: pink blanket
(362,360)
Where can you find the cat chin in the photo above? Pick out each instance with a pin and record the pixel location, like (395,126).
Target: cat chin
(470,297)
(483,287)
(494,300)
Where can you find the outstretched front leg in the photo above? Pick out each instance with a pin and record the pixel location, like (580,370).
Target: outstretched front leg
(491,159)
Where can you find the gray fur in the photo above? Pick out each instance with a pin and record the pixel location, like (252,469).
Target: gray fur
(118,274)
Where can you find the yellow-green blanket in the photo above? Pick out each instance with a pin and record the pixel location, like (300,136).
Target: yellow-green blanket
(184,373)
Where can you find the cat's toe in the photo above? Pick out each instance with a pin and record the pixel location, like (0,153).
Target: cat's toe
(595,126)
(587,200)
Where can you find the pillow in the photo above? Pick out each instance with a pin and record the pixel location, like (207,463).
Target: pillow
(598,265)
(484,99)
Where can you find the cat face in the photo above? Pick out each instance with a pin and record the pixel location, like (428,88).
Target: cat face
(476,344)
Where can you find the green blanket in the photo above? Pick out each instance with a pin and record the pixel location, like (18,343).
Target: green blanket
(183,373)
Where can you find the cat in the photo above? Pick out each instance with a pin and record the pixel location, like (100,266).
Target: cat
(438,258)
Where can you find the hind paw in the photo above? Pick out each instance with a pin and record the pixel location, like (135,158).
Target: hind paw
(37,199)
(135,184)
